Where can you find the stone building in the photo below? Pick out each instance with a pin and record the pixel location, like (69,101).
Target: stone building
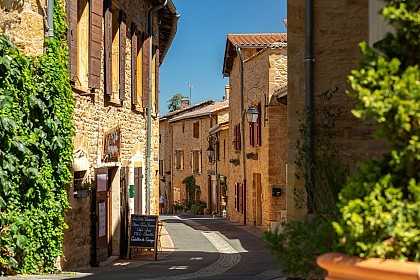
(166,150)
(256,65)
(184,144)
(115,49)
(323,40)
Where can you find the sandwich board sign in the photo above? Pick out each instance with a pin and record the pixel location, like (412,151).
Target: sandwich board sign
(143,233)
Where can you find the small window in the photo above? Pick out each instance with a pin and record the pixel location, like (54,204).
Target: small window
(196,161)
(196,130)
(161,167)
(179,159)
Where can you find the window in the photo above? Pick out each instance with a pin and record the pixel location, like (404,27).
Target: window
(161,167)
(183,127)
(238,197)
(79,177)
(377,26)
(179,159)
(84,36)
(237,137)
(115,36)
(196,161)
(196,130)
(136,68)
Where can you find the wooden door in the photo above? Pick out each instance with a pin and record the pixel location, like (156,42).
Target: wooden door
(102,214)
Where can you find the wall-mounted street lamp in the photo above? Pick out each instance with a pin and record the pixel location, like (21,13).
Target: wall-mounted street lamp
(252,95)
(211,153)
(251,114)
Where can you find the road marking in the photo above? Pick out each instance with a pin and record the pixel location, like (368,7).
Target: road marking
(228,257)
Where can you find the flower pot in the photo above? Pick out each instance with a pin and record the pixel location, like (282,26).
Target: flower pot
(343,267)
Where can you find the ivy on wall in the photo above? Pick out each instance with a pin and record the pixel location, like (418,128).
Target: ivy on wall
(36,129)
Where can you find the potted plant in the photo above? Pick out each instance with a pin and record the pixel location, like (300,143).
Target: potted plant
(380,204)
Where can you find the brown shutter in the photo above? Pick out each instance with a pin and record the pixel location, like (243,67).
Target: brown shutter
(251,134)
(239,137)
(72,37)
(134,41)
(157,80)
(108,48)
(95,39)
(123,37)
(259,125)
(235,137)
(146,55)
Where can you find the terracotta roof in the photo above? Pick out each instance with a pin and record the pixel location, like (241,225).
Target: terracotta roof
(261,40)
(257,40)
(202,112)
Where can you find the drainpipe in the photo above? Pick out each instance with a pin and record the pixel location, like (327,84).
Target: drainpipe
(171,189)
(241,89)
(50,13)
(309,62)
(149,105)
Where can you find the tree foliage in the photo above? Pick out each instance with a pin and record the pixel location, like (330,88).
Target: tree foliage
(175,102)
(380,205)
(36,128)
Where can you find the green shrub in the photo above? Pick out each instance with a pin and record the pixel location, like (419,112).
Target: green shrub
(299,243)
(380,205)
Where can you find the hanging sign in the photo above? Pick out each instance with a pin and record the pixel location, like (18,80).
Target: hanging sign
(112,144)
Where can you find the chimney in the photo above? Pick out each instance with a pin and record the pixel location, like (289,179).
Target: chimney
(185,103)
(227,90)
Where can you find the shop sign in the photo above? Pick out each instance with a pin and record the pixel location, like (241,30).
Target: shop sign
(112,143)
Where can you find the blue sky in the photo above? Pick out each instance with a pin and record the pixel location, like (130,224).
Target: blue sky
(196,54)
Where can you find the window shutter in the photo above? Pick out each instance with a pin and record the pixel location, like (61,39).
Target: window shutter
(157,81)
(235,137)
(72,37)
(239,137)
(259,129)
(236,197)
(95,40)
(123,36)
(196,130)
(134,41)
(146,55)
(251,134)
(108,48)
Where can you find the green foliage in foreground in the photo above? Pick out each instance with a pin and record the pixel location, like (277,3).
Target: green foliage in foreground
(380,205)
(36,127)
(298,244)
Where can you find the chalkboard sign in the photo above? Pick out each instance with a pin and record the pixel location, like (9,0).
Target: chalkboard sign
(143,232)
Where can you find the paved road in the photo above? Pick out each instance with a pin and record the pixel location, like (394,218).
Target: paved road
(199,247)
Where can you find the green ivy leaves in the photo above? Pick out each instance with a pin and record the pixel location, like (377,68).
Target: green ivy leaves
(36,129)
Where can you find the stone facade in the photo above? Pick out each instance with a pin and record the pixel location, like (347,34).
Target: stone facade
(264,70)
(110,138)
(184,142)
(338,27)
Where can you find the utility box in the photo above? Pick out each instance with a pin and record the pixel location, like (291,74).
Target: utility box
(276,191)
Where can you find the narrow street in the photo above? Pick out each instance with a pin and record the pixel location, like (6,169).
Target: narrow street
(203,248)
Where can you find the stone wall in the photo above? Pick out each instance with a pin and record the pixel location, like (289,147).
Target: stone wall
(183,140)
(23,21)
(338,28)
(263,72)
